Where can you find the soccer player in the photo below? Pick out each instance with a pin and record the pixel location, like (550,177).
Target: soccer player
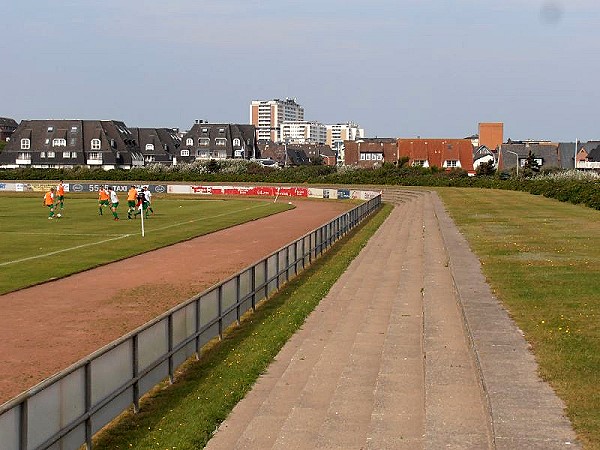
(131,199)
(114,202)
(60,191)
(148,197)
(103,199)
(49,202)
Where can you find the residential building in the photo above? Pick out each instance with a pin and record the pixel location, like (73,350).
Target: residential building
(303,132)
(207,141)
(545,153)
(588,156)
(106,144)
(340,132)
(268,115)
(157,145)
(491,134)
(7,128)
(442,153)
(370,152)
(481,155)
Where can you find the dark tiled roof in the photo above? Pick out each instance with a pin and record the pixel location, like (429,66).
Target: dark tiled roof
(158,145)
(6,122)
(240,141)
(547,152)
(118,146)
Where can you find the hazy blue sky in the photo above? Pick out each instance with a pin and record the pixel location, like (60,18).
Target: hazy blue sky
(433,68)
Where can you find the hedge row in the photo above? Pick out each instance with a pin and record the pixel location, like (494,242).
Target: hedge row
(574,190)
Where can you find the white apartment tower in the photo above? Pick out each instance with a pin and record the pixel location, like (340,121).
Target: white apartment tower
(268,115)
(340,132)
(303,132)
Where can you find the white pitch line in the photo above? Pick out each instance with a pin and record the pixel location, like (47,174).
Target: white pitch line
(63,250)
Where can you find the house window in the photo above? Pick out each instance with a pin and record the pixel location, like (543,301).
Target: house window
(221,130)
(185,152)
(202,154)
(205,130)
(73,154)
(66,155)
(50,154)
(239,153)
(72,142)
(222,155)
(97,156)
(25,144)
(451,163)
(189,142)
(47,141)
(418,162)
(368,156)
(362,157)
(95,144)
(24,155)
(50,129)
(149,159)
(42,154)
(236,142)
(59,142)
(73,129)
(149,147)
(204,142)
(220,141)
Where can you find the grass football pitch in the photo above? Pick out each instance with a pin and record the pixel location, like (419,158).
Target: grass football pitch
(34,249)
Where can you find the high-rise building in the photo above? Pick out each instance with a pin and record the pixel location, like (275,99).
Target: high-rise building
(268,115)
(340,132)
(303,132)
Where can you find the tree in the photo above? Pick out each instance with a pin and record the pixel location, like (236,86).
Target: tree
(531,165)
(486,169)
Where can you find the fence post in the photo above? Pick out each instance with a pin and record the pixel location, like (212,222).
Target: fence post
(220,308)
(238,318)
(88,404)
(136,370)
(170,347)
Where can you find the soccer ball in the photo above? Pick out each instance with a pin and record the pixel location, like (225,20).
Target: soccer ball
(59,215)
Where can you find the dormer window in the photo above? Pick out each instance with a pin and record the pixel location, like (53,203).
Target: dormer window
(95,144)
(205,130)
(189,142)
(220,141)
(59,142)
(50,129)
(236,142)
(25,144)
(149,147)
(204,142)
(73,129)
(221,130)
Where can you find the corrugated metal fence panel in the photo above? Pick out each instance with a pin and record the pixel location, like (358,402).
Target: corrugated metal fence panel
(55,407)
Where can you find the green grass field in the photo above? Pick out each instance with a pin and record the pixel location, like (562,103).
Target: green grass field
(34,249)
(542,259)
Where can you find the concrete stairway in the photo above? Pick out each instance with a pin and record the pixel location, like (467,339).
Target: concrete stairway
(387,359)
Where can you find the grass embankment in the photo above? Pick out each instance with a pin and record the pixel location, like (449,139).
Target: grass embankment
(542,258)
(184,415)
(34,249)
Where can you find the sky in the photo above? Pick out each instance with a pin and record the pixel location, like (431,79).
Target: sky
(398,68)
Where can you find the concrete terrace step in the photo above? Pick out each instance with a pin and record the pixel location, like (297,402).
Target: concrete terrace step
(397,356)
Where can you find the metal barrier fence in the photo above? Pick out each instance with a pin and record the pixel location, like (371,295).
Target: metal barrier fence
(66,410)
